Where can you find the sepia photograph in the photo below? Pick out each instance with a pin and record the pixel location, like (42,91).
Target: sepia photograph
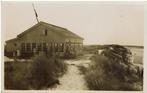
(70,46)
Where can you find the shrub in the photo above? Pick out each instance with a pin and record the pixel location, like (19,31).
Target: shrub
(107,73)
(61,67)
(70,54)
(45,71)
(17,76)
(42,73)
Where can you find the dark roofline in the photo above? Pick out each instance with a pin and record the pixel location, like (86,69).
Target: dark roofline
(42,23)
(21,34)
(63,29)
(52,25)
(13,39)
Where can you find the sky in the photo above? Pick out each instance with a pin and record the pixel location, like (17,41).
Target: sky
(96,22)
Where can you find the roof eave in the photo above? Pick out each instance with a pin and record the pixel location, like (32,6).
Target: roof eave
(11,40)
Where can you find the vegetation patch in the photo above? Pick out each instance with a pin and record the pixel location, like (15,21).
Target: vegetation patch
(42,73)
(113,70)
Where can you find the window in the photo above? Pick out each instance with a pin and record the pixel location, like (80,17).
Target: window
(23,47)
(15,44)
(61,47)
(45,32)
(33,45)
(44,47)
(56,47)
(28,47)
(39,46)
(51,47)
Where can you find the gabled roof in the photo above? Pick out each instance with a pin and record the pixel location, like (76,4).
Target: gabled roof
(58,30)
(14,39)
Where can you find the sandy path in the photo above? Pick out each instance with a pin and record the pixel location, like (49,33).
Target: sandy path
(73,80)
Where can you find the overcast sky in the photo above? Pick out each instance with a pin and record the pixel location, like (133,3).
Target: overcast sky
(97,23)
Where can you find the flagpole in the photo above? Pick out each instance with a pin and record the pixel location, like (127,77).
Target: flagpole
(35,13)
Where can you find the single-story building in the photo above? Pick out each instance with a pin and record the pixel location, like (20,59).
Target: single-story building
(44,37)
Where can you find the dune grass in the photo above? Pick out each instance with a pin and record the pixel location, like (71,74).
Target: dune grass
(107,73)
(42,73)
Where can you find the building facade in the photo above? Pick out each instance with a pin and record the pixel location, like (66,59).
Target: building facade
(44,37)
